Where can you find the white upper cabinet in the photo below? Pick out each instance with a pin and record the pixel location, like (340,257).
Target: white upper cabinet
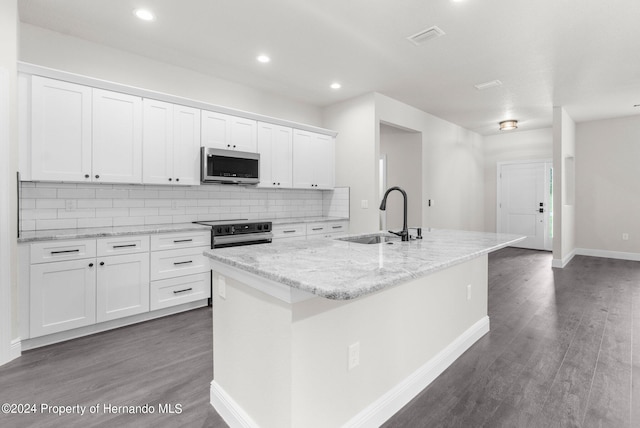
(117,137)
(222,131)
(275,145)
(60,130)
(313,160)
(171,143)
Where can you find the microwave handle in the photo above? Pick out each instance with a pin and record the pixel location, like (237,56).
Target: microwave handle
(203,164)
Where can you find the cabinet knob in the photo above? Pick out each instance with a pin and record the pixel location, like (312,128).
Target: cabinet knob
(97,176)
(228,145)
(90,264)
(278,184)
(86,176)
(101,263)
(177,179)
(234,146)
(170,179)
(274,183)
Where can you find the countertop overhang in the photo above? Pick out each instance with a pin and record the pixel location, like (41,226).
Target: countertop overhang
(342,270)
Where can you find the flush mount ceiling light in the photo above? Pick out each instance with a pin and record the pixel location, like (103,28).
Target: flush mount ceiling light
(263,59)
(336,85)
(426,35)
(487,85)
(144,14)
(508,125)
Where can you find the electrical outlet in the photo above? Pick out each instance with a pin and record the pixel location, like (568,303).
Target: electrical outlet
(222,287)
(354,355)
(70,205)
(364,204)
(468,291)
(625,236)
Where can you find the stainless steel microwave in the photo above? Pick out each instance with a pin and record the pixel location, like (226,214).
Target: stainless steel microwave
(229,166)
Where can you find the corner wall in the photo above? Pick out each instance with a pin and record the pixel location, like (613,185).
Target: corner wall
(564,177)
(608,187)
(8,166)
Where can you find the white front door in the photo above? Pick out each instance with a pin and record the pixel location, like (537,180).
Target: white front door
(524,191)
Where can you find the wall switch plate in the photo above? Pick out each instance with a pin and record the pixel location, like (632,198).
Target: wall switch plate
(354,355)
(222,287)
(364,204)
(468,291)
(625,236)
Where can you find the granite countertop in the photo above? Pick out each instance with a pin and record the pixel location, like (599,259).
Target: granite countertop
(342,270)
(98,232)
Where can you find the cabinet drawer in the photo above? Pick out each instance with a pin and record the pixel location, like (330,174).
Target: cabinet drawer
(172,263)
(176,291)
(170,241)
(51,251)
(288,230)
(122,245)
(322,229)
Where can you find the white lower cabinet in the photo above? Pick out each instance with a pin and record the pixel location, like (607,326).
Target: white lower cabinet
(183,289)
(122,286)
(62,296)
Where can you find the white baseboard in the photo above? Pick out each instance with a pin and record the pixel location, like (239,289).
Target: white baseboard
(384,407)
(228,409)
(561,263)
(16,349)
(390,403)
(608,254)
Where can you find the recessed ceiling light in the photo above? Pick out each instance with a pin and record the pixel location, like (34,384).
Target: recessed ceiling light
(144,14)
(336,85)
(263,59)
(508,125)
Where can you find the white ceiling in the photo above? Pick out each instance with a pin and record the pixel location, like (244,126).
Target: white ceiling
(580,54)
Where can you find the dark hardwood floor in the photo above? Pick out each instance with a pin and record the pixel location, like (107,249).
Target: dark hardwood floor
(564,350)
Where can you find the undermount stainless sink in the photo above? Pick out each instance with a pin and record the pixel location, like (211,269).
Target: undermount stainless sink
(371,239)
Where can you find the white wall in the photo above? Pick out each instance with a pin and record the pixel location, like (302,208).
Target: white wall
(608,184)
(8,166)
(403,151)
(536,144)
(564,228)
(54,50)
(357,157)
(452,166)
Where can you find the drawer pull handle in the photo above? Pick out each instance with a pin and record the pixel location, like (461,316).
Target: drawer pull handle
(65,251)
(125,246)
(182,240)
(183,263)
(317,228)
(337,227)
(183,291)
(288,231)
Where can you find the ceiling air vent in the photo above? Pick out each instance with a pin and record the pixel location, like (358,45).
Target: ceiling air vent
(425,35)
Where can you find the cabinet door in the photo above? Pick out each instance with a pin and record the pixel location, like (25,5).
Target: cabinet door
(303,161)
(186,145)
(324,164)
(60,130)
(62,296)
(216,130)
(243,135)
(122,286)
(157,142)
(275,145)
(117,137)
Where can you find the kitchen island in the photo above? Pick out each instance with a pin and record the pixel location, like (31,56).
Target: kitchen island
(329,332)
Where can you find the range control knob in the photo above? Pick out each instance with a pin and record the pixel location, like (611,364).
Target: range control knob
(218,230)
(259,227)
(266,226)
(227,229)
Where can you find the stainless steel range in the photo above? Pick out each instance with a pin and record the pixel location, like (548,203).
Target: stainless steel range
(236,232)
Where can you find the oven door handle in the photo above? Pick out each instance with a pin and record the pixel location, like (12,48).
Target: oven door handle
(243,237)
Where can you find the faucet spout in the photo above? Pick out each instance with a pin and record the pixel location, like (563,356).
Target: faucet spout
(383,206)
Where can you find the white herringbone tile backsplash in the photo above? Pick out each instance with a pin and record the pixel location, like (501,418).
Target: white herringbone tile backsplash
(68,206)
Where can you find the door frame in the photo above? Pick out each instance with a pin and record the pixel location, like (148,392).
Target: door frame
(548,241)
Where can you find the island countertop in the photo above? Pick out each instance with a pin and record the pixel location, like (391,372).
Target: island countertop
(342,270)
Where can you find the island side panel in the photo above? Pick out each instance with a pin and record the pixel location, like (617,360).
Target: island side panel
(252,351)
(399,330)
